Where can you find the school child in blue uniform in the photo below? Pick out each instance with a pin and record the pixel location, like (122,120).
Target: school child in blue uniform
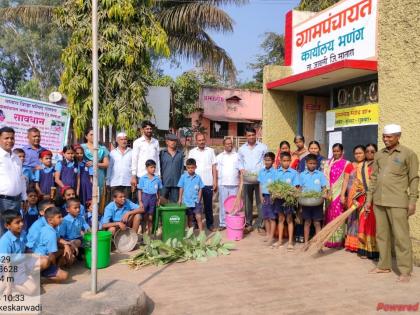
(26,170)
(266,176)
(287,175)
(30,215)
(148,193)
(13,243)
(85,175)
(70,193)
(121,213)
(67,171)
(190,193)
(44,178)
(312,180)
(34,231)
(47,247)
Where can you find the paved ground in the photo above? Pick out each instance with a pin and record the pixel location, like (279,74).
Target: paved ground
(255,279)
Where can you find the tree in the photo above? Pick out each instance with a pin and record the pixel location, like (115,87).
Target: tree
(11,72)
(128,33)
(273,47)
(315,5)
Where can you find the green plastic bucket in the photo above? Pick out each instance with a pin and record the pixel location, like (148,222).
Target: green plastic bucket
(173,221)
(104,249)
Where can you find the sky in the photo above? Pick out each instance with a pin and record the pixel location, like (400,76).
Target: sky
(251,22)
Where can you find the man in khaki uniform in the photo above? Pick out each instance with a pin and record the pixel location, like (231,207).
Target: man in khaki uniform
(394,193)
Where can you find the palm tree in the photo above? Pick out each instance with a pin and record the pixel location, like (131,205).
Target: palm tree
(186,23)
(315,5)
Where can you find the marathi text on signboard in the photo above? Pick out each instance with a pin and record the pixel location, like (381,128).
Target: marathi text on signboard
(21,114)
(344,31)
(355,116)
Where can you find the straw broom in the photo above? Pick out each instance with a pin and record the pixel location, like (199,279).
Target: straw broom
(318,241)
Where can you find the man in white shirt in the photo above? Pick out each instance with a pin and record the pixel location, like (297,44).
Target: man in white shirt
(144,148)
(11,189)
(229,177)
(119,170)
(206,169)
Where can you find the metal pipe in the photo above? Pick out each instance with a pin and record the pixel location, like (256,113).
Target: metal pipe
(95,189)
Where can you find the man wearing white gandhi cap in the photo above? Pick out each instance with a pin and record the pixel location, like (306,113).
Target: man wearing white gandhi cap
(393,191)
(119,170)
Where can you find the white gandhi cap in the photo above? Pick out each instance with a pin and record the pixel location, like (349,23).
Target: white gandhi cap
(121,135)
(391,129)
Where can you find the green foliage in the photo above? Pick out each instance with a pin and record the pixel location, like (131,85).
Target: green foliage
(31,89)
(273,47)
(315,5)
(282,190)
(311,194)
(128,34)
(156,252)
(11,72)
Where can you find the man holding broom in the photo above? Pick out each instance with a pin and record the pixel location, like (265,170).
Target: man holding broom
(394,192)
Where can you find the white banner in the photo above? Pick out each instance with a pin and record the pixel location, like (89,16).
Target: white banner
(347,30)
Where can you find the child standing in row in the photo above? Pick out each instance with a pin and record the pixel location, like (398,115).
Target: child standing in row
(287,175)
(44,178)
(148,193)
(66,171)
(266,176)
(190,193)
(85,175)
(312,180)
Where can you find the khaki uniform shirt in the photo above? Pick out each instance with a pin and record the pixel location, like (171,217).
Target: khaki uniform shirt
(395,178)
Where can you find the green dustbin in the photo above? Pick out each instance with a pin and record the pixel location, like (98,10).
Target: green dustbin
(173,221)
(104,249)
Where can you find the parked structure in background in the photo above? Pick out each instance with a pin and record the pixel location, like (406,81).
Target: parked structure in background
(226,112)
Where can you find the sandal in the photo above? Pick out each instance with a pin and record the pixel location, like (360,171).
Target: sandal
(379,271)
(290,247)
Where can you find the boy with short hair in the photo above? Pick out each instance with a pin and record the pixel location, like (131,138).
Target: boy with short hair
(287,175)
(74,225)
(13,243)
(190,193)
(121,213)
(35,229)
(30,213)
(26,170)
(47,247)
(148,193)
(266,176)
(312,180)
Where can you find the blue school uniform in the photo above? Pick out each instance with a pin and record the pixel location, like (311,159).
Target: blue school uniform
(45,178)
(191,184)
(35,232)
(83,211)
(312,181)
(288,176)
(30,216)
(68,172)
(47,243)
(265,177)
(85,172)
(113,213)
(71,227)
(12,244)
(149,188)
(29,175)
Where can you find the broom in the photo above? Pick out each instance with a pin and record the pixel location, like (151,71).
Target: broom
(318,241)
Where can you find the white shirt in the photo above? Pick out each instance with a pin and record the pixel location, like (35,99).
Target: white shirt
(11,175)
(144,150)
(119,170)
(205,160)
(228,168)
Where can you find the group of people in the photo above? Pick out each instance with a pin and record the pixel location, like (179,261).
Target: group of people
(46,208)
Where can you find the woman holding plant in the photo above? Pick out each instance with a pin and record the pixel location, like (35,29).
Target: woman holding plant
(337,171)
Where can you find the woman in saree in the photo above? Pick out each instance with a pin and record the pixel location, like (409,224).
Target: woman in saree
(337,171)
(300,153)
(103,163)
(283,147)
(354,189)
(367,223)
(314,148)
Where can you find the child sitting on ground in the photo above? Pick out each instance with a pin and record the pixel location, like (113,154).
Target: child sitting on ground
(148,193)
(70,193)
(266,176)
(35,229)
(47,247)
(30,212)
(190,193)
(44,178)
(121,213)
(74,225)
(312,180)
(13,243)
(287,175)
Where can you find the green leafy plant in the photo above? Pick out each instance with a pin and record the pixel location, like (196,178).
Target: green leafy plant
(282,190)
(311,194)
(156,252)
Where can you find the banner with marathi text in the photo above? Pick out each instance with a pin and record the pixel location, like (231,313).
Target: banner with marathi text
(353,116)
(22,113)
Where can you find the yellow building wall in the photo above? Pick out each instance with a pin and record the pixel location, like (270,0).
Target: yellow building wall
(399,81)
(280,110)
